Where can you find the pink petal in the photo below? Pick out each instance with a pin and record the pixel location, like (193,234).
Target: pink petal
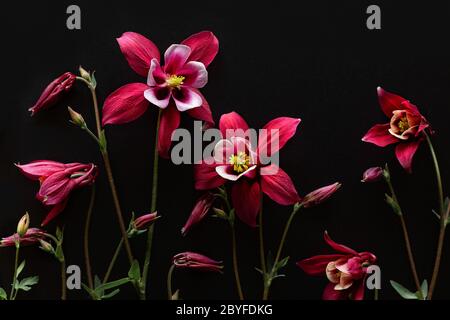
(389,102)
(405,153)
(175,57)
(159,96)
(338,247)
(246,198)
(315,266)
(195,74)
(278,185)
(357,291)
(380,136)
(204,47)
(206,177)
(281,129)
(125,104)
(40,168)
(231,121)
(227,172)
(186,98)
(55,211)
(156,75)
(170,120)
(330,294)
(139,51)
(203,112)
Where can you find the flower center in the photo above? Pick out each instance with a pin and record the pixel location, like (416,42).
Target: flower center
(175,81)
(240,162)
(403,124)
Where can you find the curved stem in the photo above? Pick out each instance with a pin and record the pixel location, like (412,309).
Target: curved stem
(150,232)
(12,296)
(112,262)
(87,225)
(443,222)
(235,262)
(63,280)
(262,254)
(169,282)
(409,251)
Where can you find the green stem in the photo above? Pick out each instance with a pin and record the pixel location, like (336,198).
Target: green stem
(63,280)
(262,254)
(169,282)
(375,294)
(235,262)
(113,261)
(87,225)
(150,232)
(16,263)
(443,221)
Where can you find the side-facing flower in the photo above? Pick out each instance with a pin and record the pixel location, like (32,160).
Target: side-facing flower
(320,195)
(236,160)
(173,87)
(141,224)
(373,174)
(406,127)
(53,92)
(32,236)
(346,271)
(201,208)
(57,181)
(196,261)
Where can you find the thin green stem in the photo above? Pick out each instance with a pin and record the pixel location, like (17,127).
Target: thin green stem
(262,253)
(63,280)
(87,225)
(443,221)
(169,282)
(113,261)
(150,232)
(235,262)
(16,263)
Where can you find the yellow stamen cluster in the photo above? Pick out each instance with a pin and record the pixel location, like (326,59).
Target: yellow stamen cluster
(175,81)
(240,162)
(403,124)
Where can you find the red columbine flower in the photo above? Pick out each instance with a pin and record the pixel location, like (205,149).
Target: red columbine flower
(203,205)
(145,221)
(32,236)
(196,261)
(406,127)
(238,161)
(373,174)
(320,195)
(57,181)
(345,270)
(172,87)
(54,92)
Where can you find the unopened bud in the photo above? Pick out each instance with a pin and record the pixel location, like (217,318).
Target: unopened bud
(84,74)
(76,117)
(46,246)
(22,226)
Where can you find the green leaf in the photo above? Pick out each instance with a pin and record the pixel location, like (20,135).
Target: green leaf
(111,294)
(93,80)
(59,254)
(102,141)
(92,293)
(3,295)
(282,263)
(135,271)
(402,291)
(59,234)
(97,281)
(20,268)
(111,285)
(424,289)
(219,213)
(394,205)
(27,283)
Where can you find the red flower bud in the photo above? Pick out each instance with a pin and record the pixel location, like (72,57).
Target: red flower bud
(201,208)
(53,92)
(320,195)
(145,221)
(197,261)
(372,174)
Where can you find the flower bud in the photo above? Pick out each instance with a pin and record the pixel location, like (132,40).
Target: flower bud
(46,246)
(145,221)
(22,226)
(84,74)
(201,208)
(196,261)
(320,195)
(76,118)
(372,174)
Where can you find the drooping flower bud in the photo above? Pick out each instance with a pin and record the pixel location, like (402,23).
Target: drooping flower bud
(201,208)
(54,92)
(142,223)
(372,174)
(320,195)
(46,246)
(76,118)
(196,261)
(22,226)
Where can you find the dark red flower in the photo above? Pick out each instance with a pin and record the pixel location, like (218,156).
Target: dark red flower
(196,261)
(32,236)
(201,208)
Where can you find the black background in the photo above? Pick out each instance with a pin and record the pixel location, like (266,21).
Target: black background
(314,60)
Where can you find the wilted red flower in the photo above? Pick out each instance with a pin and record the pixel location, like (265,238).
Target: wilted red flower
(406,127)
(57,181)
(32,236)
(201,208)
(320,195)
(54,92)
(172,87)
(237,160)
(372,174)
(196,261)
(346,271)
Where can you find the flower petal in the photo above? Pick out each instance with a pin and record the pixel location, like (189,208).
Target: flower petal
(389,102)
(139,51)
(203,112)
(227,172)
(276,134)
(186,99)
(195,74)
(40,168)
(316,266)
(206,177)
(357,291)
(125,104)
(405,153)
(175,57)
(170,120)
(55,211)
(159,96)
(278,185)
(330,294)
(231,121)
(380,136)
(156,75)
(246,199)
(204,47)
(338,247)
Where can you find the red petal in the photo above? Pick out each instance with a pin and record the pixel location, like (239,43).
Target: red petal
(330,294)
(139,51)
(203,112)
(282,128)
(357,290)
(316,266)
(246,198)
(204,46)
(206,177)
(389,102)
(338,247)
(40,168)
(278,185)
(55,211)
(380,136)
(170,120)
(125,104)
(231,121)
(405,153)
